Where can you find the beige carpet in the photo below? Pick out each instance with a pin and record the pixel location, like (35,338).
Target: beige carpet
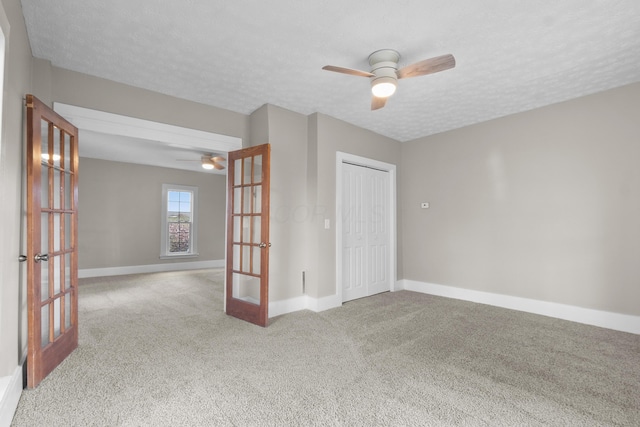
(156,350)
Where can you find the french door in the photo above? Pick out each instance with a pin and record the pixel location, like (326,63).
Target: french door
(52,239)
(247,279)
(366,237)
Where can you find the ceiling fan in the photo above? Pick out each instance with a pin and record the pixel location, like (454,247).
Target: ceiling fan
(385,74)
(208,161)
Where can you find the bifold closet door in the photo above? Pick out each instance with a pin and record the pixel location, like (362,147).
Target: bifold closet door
(365,232)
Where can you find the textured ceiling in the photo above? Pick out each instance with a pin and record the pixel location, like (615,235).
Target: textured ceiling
(511,56)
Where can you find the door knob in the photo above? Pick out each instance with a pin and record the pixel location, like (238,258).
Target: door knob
(263,245)
(41,257)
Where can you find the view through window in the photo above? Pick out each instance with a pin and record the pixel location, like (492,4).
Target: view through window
(179,220)
(179,217)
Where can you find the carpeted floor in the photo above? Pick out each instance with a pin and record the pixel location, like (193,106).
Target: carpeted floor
(156,350)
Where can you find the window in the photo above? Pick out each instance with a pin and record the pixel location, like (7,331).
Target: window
(179,221)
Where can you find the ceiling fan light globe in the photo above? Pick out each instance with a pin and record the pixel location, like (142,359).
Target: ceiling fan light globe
(383,87)
(207,165)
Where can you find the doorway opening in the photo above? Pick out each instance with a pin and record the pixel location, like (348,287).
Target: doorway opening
(131,143)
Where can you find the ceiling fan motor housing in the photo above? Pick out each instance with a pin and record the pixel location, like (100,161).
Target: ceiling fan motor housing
(384,64)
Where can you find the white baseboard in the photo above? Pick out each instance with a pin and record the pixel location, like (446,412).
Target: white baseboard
(603,319)
(10,391)
(325,303)
(304,302)
(150,268)
(278,308)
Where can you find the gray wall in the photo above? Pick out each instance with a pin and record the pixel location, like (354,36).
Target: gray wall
(286,131)
(542,205)
(119,213)
(289,215)
(17,82)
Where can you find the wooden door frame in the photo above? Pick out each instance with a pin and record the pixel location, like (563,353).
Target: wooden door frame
(341,158)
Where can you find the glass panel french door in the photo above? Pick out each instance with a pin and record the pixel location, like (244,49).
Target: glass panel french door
(247,280)
(52,218)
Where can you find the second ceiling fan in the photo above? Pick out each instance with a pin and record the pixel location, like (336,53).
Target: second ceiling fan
(385,74)
(208,161)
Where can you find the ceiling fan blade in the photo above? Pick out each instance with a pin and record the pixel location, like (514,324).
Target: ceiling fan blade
(349,71)
(377,103)
(218,159)
(218,166)
(427,66)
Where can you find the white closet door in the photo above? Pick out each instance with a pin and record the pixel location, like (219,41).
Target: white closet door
(354,233)
(378,236)
(365,227)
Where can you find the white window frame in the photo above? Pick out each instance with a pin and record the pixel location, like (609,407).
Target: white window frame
(164,226)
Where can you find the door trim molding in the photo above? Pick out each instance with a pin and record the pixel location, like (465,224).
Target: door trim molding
(10,392)
(341,158)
